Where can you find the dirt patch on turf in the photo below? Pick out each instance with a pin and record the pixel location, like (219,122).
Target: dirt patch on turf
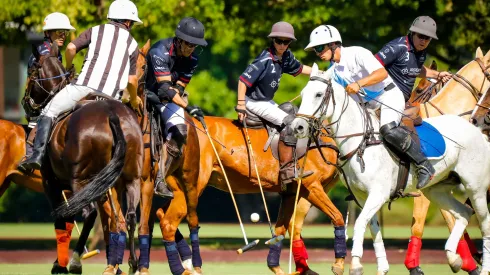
(209,255)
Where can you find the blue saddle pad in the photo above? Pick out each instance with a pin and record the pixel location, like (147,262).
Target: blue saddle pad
(431,141)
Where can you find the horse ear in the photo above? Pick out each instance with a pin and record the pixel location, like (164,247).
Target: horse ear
(314,69)
(486,58)
(433,66)
(35,52)
(479,53)
(146,47)
(54,50)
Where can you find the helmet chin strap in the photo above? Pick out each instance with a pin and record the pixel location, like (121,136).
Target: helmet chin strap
(333,48)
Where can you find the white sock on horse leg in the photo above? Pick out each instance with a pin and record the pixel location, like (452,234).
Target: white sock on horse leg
(455,236)
(379,250)
(486,254)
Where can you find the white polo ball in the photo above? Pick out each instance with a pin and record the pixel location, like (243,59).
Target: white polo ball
(254,217)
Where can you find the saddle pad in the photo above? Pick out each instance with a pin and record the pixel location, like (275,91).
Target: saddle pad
(431,141)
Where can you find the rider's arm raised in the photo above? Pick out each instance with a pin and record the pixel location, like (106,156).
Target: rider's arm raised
(80,43)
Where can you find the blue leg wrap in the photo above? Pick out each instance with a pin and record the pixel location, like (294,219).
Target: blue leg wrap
(274,254)
(196,253)
(144,243)
(113,245)
(173,258)
(182,246)
(339,245)
(121,245)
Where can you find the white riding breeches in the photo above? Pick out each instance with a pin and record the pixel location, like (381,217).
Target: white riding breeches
(267,110)
(392,106)
(66,99)
(172,114)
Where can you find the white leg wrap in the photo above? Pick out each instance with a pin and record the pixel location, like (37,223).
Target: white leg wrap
(379,250)
(486,254)
(455,236)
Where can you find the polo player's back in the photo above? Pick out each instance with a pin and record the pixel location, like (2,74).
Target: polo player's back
(107,62)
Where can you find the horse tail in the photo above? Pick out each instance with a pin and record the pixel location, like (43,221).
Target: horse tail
(104,180)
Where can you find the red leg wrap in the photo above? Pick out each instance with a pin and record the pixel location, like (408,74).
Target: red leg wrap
(464,251)
(412,259)
(300,256)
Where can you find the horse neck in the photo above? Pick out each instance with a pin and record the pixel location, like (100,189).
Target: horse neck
(454,98)
(349,120)
(54,71)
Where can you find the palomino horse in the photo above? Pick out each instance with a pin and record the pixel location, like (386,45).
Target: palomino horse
(459,96)
(95,148)
(188,184)
(373,175)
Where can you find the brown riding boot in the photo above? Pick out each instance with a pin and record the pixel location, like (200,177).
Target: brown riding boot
(286,165)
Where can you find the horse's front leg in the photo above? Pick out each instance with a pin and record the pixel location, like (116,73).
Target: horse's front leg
(375,200)
(133,198)
(379,247)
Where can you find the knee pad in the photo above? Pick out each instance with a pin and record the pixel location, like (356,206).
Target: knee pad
(289,108)
(287,134)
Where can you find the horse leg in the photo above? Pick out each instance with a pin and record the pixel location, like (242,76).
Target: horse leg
(144,226)
(133,189)
(89,219)
(112,236)
(379,247)
(441,195)
(374,201)
(169,222)
(463,249)
(4,185)
(319,199)
(191,259)
(412,258)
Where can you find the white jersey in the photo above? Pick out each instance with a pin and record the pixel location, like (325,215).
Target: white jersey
(355,64)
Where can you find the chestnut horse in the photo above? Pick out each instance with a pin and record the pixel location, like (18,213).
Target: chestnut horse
(459,96)
(97,147)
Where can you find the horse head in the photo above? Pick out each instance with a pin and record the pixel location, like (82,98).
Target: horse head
(141,68)
(481,114)
(317,101)
(48,77)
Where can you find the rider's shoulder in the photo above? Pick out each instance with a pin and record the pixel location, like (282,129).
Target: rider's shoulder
(398,44)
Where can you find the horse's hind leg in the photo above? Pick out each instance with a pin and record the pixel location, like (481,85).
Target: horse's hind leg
(441,195)
(379,247)
(319,198)
(479,202)
(191,259)
(90,215)
(145,226)
(133,198)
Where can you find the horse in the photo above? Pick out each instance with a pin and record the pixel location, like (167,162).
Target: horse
(93,149)
(459,96)
(13,147)
(372,175)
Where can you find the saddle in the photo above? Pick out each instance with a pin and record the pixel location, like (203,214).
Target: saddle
(252,121)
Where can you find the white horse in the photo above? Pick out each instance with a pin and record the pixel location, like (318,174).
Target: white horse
(467,156)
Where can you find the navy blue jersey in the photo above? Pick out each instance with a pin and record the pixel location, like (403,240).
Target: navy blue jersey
(162,60)
(402,62)
(262,77)
(43,49)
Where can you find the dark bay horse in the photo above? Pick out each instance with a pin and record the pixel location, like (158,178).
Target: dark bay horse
(97,147)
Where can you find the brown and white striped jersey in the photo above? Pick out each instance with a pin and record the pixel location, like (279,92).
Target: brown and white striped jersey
(111,57)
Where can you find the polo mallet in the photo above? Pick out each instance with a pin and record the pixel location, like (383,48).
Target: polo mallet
(300,179)
(274,239)
(87,254)
(247,245)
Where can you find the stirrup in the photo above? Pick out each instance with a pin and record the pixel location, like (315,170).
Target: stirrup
(167,193)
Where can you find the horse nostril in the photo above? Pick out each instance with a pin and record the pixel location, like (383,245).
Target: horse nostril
(473,121)
(300,128)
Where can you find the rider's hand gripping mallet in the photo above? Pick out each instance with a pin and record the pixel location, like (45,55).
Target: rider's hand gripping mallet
(87,254)
(274,239)
(248,245)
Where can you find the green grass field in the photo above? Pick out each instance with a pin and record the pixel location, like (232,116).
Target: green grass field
(261,230)
(218,269)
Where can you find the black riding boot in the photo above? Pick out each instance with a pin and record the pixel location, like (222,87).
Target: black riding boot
(286,165)
(161,187)
(401,141)
(173,154)
(34,161)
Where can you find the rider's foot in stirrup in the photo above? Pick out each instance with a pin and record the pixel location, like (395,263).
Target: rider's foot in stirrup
(425,173)
(161,188)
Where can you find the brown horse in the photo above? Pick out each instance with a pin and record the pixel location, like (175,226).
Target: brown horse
(199,168)
(13,146)
(95,148)
(459,96)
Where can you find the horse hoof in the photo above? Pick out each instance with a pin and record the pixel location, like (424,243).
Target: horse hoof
(382,272)
(75,268)
(197,271)
(416,271)
(478,257)
(277,270)
(295,273)
(57,269)
(109,270)
(310,272)
(143,271)
(336,270)
(186,272)
(455,261)
(476,271)
(356,271)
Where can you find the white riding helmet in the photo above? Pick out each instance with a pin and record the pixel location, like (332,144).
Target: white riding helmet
(322,35)
(124,9)
(57,21)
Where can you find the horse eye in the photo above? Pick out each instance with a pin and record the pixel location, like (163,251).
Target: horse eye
(319,94)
